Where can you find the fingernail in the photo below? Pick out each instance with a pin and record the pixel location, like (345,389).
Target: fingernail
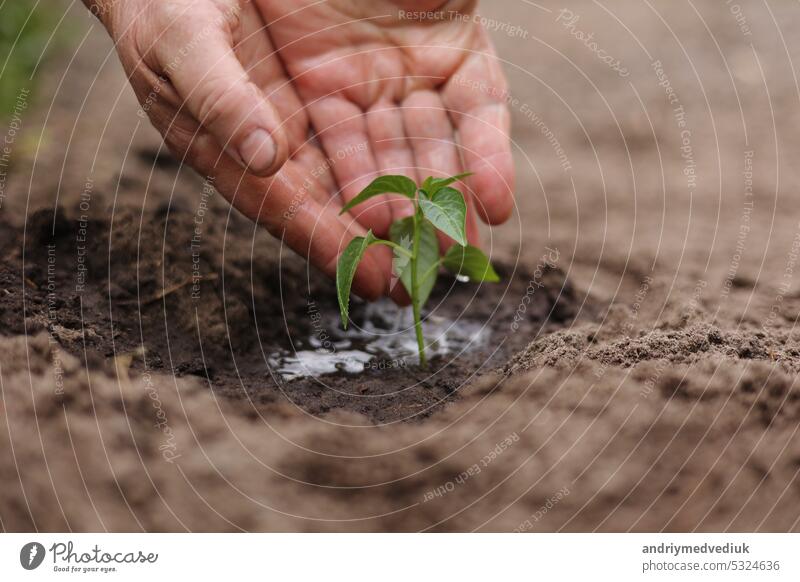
(258,150)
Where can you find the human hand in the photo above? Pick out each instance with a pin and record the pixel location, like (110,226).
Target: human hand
(393,75)
(208,76)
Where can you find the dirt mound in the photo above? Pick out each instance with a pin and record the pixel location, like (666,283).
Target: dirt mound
(539,451)
(134,431)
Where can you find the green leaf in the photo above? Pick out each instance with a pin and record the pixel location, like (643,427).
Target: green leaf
(346,270)
(382,185)
(402,232)
(470,261)
(447,210)
(432,185)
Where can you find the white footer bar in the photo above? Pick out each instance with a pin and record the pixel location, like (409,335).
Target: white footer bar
(401,557)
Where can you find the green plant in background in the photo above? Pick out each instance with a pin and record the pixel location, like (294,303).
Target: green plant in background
(26,35)
(437,206)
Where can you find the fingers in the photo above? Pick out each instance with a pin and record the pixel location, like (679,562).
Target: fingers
(431,135)
(286,205)
(392,151)
(292,205)
(342,131)
(194,50)
(487,154)
(256,52)
(476,98)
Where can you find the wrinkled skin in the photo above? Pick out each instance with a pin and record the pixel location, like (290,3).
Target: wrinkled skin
(290,120)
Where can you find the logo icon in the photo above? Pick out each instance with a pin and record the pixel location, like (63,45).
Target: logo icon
(31,555)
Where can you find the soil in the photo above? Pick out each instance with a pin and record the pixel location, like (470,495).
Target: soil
(139,299)
(641,367)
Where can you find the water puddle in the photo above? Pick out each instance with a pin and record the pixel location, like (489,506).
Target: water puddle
(380,337)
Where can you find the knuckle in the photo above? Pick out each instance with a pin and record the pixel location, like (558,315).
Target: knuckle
(167,15)
(216,101)
(229,14)
(182,25)
(193,16)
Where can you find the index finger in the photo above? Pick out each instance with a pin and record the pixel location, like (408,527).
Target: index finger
(288,205)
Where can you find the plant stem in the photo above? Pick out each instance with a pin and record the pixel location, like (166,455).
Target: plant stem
(415,293)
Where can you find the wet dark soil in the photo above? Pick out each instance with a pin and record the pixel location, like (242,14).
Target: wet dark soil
(138,286)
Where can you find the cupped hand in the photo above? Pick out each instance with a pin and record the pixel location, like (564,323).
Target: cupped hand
(290,120)
(394,86)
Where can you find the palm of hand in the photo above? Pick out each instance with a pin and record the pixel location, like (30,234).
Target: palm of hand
(386,94)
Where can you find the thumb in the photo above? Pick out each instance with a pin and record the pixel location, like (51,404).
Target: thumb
(196,54)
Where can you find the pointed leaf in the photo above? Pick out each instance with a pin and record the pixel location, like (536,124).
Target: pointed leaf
(346,270)
(382,185)
(447,210)
(432,185)
(470,261)
(428,256)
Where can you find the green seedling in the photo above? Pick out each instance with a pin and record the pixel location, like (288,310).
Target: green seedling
(437,206)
